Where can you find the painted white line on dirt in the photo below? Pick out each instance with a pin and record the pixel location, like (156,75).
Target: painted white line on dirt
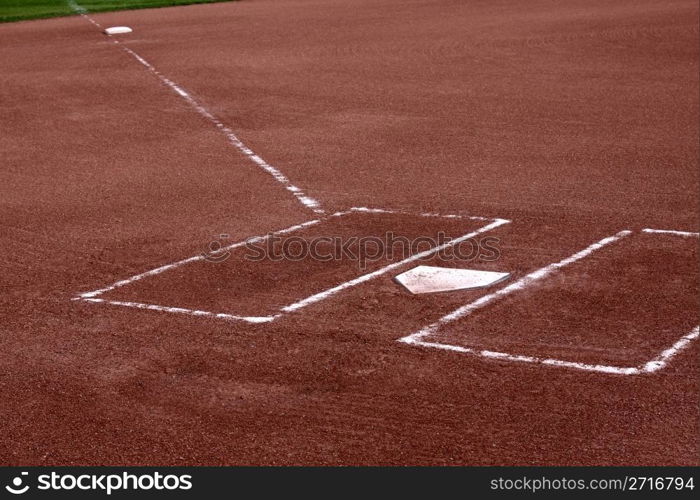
(233,139)
(662,359)
(307,201)
(181,310)
(652,366)
(518,285)
(375,274)
(423,214)
(686,234)
(158,270)
(618,370)
(91,296)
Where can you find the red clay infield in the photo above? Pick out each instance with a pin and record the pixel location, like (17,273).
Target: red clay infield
(572,120)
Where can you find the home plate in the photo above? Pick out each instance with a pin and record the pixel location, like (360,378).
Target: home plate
(118,30)
(428,279)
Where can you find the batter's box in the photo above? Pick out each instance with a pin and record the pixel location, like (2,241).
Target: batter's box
(262,278)
(626,305)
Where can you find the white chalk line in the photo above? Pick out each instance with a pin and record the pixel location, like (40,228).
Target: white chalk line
(521,358)
(182,310)
(230,135)
(686,234)
(652,366)
(379,272)
(520,284)
(662,359)
(421,214)
(91,295)
(304,199)
(309,202)
(195,258)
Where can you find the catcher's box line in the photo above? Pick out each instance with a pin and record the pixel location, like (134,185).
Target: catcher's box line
(654,365)
(92,296)
(309,202)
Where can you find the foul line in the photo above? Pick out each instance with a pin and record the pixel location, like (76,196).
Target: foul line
(230,135)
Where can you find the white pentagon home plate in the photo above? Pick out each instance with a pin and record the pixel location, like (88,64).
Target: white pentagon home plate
(118,30)
(429,279)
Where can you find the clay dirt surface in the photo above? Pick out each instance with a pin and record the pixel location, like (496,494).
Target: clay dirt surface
(573,120)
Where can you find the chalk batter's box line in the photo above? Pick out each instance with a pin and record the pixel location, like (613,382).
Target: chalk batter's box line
(654,365)
(94,296)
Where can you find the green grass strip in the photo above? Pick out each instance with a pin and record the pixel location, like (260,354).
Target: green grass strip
(19,10)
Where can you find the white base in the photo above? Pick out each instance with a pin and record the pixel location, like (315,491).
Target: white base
(429,279)
(118,30)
